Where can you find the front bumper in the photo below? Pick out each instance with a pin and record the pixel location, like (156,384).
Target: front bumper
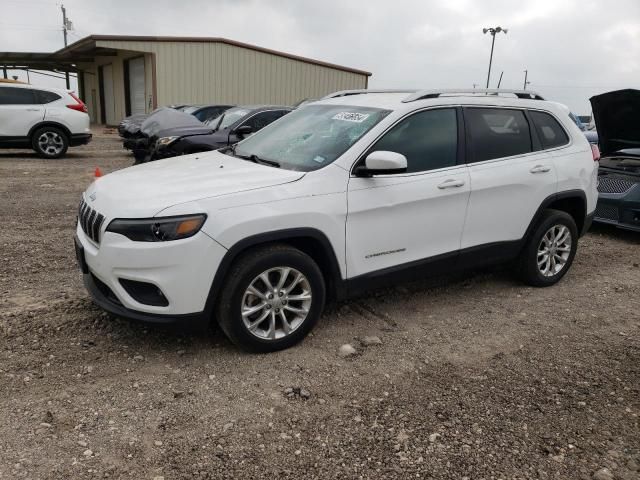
(104,297)
(620,210)
(182,270)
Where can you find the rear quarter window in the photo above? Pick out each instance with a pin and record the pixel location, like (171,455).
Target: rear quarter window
(43,96)
(497,133)
(550,132)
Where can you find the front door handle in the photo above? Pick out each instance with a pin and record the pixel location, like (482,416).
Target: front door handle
(451,183)
(540,169)
(33,109)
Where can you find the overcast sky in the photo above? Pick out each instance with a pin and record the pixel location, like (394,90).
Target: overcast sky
(573,49)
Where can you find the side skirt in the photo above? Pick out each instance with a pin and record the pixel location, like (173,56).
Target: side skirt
(467,259)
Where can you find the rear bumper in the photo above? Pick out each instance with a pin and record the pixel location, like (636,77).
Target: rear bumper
(587,223)
(79,139)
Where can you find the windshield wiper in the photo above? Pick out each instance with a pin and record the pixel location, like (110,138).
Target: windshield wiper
(257,159)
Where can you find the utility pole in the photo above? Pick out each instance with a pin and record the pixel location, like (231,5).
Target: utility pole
(4,70)
(66,25)
(493,32)
(526,73)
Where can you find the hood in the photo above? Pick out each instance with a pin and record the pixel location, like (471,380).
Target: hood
(617,116)
(167,118)
(144,190)
(185,131)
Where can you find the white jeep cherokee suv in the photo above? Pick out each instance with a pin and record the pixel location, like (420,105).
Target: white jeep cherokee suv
(356,190)
(49,120)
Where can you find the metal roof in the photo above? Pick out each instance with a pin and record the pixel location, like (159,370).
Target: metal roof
(86,48)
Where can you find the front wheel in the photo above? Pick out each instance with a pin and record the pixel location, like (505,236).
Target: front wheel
(550,249)
(273,296)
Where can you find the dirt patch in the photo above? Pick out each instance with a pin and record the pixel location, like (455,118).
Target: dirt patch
(477,377)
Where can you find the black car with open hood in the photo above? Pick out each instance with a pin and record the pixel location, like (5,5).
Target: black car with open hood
(617,117)
(228,129)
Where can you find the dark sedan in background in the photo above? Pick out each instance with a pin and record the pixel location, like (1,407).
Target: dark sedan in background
(229,128)
(617,117)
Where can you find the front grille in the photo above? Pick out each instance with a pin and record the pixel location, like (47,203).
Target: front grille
(90,221)
(614,185)
(607,212)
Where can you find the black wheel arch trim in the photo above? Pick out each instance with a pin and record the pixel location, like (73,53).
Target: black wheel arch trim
(48,123)
(333,276)
(565,195)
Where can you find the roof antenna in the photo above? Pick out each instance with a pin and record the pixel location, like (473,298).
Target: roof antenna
(500,81)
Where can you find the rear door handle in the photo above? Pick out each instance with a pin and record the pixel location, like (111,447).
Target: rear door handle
(540,169)
(451,183)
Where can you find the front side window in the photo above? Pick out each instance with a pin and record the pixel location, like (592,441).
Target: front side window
(311,137)
(17,96)
(497,133)
(428,139)
(550,132)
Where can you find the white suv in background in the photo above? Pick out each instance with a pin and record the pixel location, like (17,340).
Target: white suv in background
(354,191)
(48,120)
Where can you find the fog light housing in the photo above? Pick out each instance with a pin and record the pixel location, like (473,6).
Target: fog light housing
(144,292)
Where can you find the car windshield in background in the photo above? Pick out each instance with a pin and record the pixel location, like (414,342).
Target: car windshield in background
(231,116)
(189,109)
(312,137)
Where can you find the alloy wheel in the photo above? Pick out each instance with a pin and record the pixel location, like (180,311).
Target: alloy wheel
(276,303)
(554,250)
(50,143)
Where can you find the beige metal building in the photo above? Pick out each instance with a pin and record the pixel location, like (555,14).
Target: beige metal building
(123,75)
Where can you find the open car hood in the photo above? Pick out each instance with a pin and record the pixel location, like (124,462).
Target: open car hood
(617,116)
(185,131)
(166,118)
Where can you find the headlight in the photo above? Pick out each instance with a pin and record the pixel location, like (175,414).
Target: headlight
(158,229)
(164,141)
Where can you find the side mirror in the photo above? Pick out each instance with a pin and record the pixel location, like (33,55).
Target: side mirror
(382,162)
(244,130)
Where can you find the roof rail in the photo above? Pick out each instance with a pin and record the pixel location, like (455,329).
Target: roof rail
(346,93)
(425,94)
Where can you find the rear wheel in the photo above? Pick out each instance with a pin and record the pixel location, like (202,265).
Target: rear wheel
(272,298)
(550,250)
(50,142)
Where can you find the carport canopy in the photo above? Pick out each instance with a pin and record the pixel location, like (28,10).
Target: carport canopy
(63,60)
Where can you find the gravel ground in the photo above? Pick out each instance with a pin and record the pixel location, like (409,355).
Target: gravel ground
(475,377)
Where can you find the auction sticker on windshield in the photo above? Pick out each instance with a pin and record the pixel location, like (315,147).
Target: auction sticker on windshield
(351,117)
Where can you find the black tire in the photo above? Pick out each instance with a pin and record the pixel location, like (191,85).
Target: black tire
(140,156)
(243,272)
(55,148)
(528,269)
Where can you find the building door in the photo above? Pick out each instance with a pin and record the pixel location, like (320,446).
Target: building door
(106,92)
(136,85)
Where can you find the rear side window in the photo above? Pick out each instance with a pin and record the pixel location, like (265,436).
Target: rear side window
(497,133)
(46,97)
(428,139)
(263,119)
(550,132)
(17,96)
